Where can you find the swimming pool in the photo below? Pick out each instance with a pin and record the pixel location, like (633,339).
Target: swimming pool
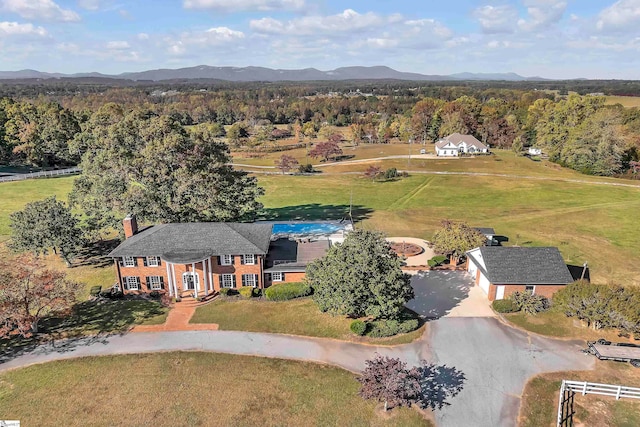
(307,228)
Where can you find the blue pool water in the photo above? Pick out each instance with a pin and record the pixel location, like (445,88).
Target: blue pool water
(305,228)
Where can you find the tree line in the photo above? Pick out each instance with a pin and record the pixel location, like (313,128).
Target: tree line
(579,132)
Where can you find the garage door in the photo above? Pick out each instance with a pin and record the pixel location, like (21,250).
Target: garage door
(484,283)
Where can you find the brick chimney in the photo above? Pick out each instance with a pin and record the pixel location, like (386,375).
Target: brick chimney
(130,225)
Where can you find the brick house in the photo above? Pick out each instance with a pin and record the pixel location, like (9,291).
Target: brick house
(501,271)
(202,258)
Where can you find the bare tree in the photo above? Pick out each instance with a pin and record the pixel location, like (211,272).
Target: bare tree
(286,162)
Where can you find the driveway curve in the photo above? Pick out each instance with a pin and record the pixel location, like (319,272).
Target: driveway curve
(495,359)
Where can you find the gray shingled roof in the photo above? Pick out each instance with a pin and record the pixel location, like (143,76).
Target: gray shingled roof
(457,138)
(524,266)
(190,242)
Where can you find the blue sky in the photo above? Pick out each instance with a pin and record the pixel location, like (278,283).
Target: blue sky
(549,38)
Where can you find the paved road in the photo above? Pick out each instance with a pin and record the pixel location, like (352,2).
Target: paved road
(438,292)
(497,361)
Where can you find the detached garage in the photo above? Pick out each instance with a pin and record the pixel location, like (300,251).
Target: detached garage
(501,271)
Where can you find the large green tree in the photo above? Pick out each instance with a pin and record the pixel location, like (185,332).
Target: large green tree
(46,225)
(360,277)
(455,238)
(153,167)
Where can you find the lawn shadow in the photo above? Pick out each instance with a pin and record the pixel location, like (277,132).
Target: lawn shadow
(316,211)
(438,292)
(93,254)
(439,383)
(90,322)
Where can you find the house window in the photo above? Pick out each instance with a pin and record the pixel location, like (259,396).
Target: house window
(249,280)
(227,281)
(530,288)
(129,261)
(226,260)
(277,277)
(153,261)
(249,259)
(132,283)
(154,282)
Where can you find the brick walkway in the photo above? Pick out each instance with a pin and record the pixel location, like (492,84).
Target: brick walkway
(178,319)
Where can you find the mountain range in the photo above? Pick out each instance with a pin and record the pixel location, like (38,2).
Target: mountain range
(253,74)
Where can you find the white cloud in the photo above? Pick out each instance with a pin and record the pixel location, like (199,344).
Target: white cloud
(622,15)
(39,9)
(89,4)
(8,29)
(143,36)
(217,36)
(429,28)
(348,21)
(118,45)
(496,19)
(239,5)
(542,14)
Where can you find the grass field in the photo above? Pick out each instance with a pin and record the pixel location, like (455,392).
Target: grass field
(540,398)
(588,222)
(625,101)
(297,317)
(190,389)
(555,324)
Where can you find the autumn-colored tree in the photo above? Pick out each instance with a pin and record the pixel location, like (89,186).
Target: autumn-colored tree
(455,239)
(28,292)
(372,172)
(388,380)
(286,163)
(326,150)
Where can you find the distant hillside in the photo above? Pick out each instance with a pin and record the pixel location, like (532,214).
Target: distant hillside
(256,74)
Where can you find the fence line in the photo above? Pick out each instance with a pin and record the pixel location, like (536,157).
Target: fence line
(43,174)
(569,389)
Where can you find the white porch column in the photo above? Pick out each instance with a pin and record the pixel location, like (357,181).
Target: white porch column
(173,279)
(196,282)
(210,275)
(169,284)
(205,277)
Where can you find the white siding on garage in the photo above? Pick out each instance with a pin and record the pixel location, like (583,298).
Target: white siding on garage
(472,268)
(484,283)
(499,292)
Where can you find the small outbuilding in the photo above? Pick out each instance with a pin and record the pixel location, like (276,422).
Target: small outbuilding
(501,271)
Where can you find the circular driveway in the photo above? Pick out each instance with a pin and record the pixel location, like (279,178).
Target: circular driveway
(440,293)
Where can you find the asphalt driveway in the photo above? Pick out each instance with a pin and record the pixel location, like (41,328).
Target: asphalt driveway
(447,293)
(497,361)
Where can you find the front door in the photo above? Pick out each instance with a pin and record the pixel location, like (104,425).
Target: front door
(189,281)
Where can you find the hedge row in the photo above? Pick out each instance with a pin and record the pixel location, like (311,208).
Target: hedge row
(287,291)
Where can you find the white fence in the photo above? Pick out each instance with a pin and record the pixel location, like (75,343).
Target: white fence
(43,174)
(617,391)
(570,388)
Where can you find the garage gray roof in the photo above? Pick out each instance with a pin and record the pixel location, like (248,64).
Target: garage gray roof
(184,242)
(524,266)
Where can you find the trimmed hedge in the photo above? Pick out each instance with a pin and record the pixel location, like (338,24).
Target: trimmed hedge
(388,328)
(529,303)
(246,291)
(504,306)
(358,327)
(287,291)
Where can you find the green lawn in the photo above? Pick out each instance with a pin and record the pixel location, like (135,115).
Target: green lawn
(298,317)
(588,222)
(91,318)
(190,389)
(540,398)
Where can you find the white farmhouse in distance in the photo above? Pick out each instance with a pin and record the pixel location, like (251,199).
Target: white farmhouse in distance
(455,144)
